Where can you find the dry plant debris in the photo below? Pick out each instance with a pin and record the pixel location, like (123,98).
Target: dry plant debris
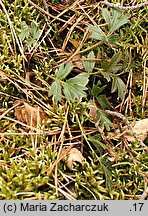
(74,155)
(140,128)
(32,116)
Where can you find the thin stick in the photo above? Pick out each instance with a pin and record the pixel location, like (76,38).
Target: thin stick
(144,195)
(119,115)
(123,8)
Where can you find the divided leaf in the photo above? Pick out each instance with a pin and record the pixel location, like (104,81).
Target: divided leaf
(118,84)
(103,102)
(117,20)
(64,70)
(96,141)
(105,121)
(96,90)
(107,168)
(106,75)
(99,115)
(113,65)
(74,88)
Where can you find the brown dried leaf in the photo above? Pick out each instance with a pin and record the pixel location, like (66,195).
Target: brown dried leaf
(74,155)
(32,116)
(75,43)
(77,61)
(92,110)
(141,129)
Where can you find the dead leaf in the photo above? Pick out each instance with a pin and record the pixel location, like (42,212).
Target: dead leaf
(140,128)
(32,116)
(77,61)
(75,43)
(92,110)
(74,155)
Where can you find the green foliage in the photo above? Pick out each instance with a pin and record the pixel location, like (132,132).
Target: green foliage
(55,90)
(29,35)
(110,72)
(64,70)
(105,121)
(113,65)
(88,64)
(96,141)
(116,45)
(96,92)
(118,84)
(73,88)
(97,33)
(115,20)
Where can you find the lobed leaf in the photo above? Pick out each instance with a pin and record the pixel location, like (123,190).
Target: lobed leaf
(64,70)
(117,20)
(74,88)
(119,85)
(113,65)
(105,121)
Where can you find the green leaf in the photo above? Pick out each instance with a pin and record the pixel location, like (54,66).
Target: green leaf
(106,166)
(119,85)
(106,15)
(81,79)
(74,88)
(97,33)
(113,39)
(113,65)
(55,90)
(96,90)
(89,65)
(106,75)
(105,121)
(64,70)
(114,61)
(117,20)
(24,34)
(103,102)
(97,143)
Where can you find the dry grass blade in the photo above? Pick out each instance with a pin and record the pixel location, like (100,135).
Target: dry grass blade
(145,86)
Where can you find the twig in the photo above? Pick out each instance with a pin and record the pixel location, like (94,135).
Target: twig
(123,8)
(119,115)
